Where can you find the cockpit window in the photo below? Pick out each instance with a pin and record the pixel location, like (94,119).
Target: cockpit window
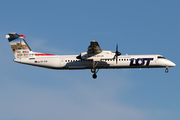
(161,57)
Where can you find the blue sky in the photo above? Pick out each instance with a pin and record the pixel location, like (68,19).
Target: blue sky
(67,27)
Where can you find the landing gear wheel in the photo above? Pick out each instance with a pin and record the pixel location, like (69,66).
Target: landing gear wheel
(166,70)
(94,71)
(94,76)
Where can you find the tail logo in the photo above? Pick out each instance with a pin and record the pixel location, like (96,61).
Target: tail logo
(19,46)
(24,54)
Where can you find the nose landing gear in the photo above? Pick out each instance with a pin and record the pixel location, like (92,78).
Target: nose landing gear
(166,70)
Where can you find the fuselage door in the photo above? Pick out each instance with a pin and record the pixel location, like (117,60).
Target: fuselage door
(62,62)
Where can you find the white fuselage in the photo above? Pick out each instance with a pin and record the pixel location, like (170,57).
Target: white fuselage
(71,62)
(95,58)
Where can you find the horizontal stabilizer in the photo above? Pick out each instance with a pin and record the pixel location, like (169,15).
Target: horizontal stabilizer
(13,35)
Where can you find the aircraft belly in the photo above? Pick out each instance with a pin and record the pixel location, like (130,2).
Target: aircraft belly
(85,65)
(78,65)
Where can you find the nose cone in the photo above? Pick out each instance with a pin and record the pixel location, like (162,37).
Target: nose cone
(171,64)
(174,64)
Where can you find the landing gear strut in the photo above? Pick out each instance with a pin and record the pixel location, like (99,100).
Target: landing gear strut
(93,70)
(166,70)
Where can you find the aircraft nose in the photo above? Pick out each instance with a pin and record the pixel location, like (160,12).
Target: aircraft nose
(171,64)
(174,64)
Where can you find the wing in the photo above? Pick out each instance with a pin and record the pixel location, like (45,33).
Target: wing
(94,48)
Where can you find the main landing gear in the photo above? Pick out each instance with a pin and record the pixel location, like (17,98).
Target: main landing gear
(94,71)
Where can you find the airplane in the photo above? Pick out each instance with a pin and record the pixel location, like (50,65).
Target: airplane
(94,59)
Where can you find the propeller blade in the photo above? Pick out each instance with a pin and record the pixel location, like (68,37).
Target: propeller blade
(116,59)
(116,47)
(117,53)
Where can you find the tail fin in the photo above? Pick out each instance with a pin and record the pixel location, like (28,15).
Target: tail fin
(19,46)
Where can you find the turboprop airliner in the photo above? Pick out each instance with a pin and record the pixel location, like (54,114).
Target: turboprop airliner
(94,58)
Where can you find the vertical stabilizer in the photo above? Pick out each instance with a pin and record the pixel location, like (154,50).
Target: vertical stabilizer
(19,46)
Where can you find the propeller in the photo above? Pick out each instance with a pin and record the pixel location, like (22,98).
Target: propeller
(117,53)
